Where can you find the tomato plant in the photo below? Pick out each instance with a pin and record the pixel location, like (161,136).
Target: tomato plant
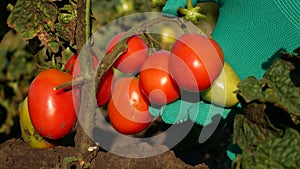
(103,93)
(128,107)
(196,61)
(52,112)
(134,56)
(156,81)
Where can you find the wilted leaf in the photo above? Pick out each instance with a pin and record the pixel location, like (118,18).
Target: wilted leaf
(29,17)
(65,27)
(276,87)
(267,131)
(278,153)
(248,134)
(50,23)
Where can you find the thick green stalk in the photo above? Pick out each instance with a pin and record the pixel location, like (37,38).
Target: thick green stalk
(86,113)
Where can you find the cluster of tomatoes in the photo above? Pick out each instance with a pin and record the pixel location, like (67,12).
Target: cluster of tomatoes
(152,77)
(193,64)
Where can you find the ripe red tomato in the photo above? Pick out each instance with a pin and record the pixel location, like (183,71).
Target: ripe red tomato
(52,112)
(134,56)
(156,81)
(128,107)
(103,93)
(196,62)
(73,65)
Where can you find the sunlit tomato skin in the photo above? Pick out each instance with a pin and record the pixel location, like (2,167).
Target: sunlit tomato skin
(104,89)
(156,81)
(128,107)
(52,112)
(73,66)
(196,62)
(134,56)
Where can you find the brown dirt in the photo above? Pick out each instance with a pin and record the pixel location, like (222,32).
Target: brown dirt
(15,154)
(188,154)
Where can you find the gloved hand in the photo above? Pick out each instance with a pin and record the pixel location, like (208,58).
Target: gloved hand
(250,35)
(181,110)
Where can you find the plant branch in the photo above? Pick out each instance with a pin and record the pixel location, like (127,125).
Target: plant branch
(86,113)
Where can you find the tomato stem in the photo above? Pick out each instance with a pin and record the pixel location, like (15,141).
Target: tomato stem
(78,81)
(86,114)
(87,20)
(151,41)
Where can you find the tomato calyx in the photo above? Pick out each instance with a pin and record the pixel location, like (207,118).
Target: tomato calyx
(191,13)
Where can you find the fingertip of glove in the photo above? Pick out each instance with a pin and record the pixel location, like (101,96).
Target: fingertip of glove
(202,113)
(232,151)
(156,111)
(176,112)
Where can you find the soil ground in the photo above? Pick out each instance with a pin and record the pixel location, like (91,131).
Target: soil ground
(189,154)
(14,154)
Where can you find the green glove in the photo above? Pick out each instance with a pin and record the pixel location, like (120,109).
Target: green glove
(180,111)
(249,34)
